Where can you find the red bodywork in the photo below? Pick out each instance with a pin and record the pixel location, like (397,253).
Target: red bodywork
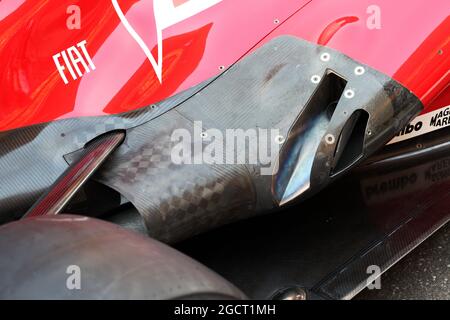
(411,45)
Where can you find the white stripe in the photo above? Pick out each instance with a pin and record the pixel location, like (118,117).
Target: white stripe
(157,66)
(166,15)
(427,122)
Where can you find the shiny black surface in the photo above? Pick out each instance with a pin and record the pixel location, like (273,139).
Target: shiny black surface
(374,216)
(273,89)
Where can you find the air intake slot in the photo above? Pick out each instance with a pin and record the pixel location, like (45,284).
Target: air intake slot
(351,141)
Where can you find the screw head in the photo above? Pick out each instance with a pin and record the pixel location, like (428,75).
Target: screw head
(329,138)
(315,78)
(349,93)
(279,139)
(325,56)
(359,70)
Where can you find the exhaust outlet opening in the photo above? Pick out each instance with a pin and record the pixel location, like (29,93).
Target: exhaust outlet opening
(350,147)
(299,152)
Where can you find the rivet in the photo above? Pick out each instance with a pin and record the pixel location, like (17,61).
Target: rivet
(279,139)
(325,56)
(315,79)
(329,138)
(349,93)
(359,70)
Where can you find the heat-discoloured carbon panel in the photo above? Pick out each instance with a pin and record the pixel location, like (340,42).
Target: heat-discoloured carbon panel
(268,89)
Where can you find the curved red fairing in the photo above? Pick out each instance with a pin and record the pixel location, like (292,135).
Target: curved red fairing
(62,59)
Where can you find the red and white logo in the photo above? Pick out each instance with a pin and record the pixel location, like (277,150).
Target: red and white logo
(167,13)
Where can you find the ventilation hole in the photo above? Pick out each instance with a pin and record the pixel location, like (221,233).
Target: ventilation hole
(351,141)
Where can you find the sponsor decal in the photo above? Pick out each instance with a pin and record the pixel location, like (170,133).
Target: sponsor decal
(73,58)
(424,123)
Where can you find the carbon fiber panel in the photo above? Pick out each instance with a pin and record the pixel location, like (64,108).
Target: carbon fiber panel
(331,244)
(176,200)
(269,89)
(32,158)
